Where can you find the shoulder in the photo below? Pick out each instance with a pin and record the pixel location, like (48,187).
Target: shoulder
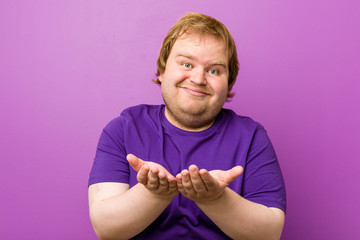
(234,121)
(137,112)
(139,115)
(244,127)
(142,110)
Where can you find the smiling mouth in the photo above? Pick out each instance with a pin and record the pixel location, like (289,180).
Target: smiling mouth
(195,92)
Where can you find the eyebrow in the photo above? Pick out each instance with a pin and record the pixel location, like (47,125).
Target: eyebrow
(184,55)
(216,62)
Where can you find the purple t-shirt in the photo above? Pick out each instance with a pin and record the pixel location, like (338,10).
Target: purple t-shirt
(232,140)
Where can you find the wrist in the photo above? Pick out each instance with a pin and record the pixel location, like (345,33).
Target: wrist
(213,201)
(159,196)
(216,202)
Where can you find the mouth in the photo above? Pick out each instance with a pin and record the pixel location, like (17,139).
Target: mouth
(195,92)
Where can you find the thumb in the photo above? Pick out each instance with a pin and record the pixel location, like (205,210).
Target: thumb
(135,162)
(233,173)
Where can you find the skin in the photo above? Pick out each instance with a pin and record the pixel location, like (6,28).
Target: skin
(154,177)
(194,86)
(202,186)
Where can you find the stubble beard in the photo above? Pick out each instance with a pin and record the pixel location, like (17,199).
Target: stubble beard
(192,119)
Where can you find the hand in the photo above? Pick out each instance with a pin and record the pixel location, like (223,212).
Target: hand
(154,177)
(203,185)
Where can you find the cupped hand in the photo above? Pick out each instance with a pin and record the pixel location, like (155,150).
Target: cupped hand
(202,185)
(154,176)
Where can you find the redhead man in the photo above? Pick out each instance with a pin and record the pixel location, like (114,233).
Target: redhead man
(188,169)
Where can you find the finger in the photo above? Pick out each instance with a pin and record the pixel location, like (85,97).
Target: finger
(209,181)
(170,178)
(172,183)
(186,181)
(153,181)
(135,162)
(232,174)
(179,183)
(142,175)
(236,171)
(196,180)
(163,181)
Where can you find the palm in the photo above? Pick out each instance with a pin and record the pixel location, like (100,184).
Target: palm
(220,177)
(226,177)
(202,185)
(154,177)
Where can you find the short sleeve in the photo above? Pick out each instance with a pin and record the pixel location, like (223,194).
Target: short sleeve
(110,164)
(263,181)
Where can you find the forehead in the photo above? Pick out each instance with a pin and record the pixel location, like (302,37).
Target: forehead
(202,45)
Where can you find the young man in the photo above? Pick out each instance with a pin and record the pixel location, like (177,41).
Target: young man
(188,169)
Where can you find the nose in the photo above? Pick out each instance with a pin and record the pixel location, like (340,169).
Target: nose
(198,76)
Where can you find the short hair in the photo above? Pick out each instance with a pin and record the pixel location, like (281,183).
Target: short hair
(199,24)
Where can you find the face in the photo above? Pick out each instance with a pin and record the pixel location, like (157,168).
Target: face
(194,84)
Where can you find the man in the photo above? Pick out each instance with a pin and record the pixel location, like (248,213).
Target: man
(188,169)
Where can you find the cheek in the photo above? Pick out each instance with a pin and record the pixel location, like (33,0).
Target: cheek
(175,76)
(220,87)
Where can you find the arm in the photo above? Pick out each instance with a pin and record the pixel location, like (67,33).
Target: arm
(233,214)
(118,212)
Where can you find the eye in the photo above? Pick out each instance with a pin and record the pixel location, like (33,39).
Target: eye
(213,71)
(187,65)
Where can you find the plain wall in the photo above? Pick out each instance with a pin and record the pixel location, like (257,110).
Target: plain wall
(69,67)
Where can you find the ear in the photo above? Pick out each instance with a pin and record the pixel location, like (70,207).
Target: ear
(160,77)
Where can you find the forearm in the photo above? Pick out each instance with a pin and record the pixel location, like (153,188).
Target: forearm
(243,219)
(127,214)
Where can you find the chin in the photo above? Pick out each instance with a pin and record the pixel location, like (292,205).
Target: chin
(200,116)
(194,111)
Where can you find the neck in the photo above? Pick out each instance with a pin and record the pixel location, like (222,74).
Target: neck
(187,127)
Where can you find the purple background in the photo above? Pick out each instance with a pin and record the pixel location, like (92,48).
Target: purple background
(68,67)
